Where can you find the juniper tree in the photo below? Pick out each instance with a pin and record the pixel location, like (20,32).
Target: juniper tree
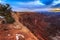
(5,10)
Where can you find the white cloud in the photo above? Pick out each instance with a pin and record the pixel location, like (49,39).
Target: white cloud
(25,5)
(32,10)
(2,1)
(56,2)
(42,9)
(21,9)
(36,2)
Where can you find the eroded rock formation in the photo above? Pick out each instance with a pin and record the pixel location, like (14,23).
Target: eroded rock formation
(31,26)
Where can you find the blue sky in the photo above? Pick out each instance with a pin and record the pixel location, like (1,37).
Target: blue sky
(29,5)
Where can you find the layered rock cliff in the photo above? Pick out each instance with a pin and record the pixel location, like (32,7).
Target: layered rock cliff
(30,26)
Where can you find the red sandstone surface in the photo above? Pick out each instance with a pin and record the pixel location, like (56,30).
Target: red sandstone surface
(28,26)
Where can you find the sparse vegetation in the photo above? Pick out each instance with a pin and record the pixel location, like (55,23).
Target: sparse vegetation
(5,10)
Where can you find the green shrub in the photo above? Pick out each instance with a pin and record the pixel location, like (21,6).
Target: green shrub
(5,10)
